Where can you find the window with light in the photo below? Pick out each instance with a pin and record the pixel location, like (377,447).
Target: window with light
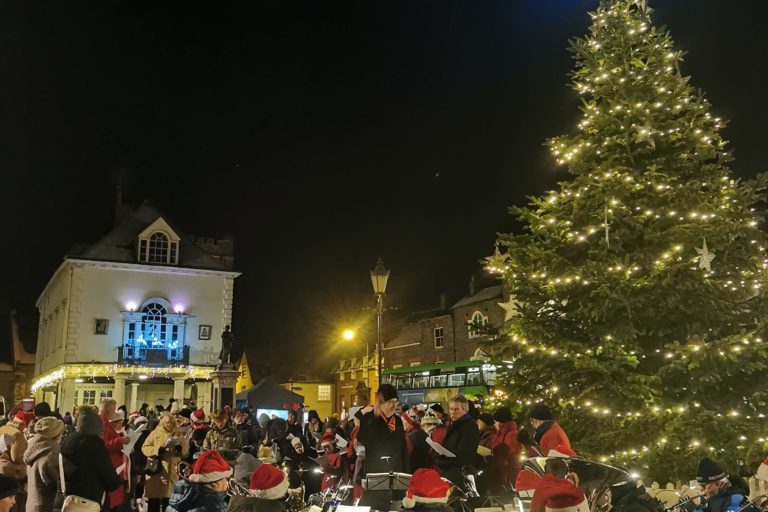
(476,324)
(153,333)
(158,248)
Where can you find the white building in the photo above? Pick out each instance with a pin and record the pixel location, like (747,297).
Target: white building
(138,316)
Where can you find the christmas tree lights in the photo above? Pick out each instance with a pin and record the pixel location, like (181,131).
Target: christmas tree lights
(639,281)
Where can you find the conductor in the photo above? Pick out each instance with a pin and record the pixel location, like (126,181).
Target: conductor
(383,435)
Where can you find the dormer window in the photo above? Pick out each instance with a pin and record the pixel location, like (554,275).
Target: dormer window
(158,248)
(158,244)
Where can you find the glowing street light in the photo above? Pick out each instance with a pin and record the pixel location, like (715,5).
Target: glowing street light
(348,334)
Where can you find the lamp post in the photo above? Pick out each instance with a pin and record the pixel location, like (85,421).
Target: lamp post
(379,276)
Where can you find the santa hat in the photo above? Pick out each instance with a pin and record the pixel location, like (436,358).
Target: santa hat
(555,494)
(197,416)
(210,467)
(25,417)
(268,482)
(328,439)
(526,483)
(411,419)
(561,451)
(426,487)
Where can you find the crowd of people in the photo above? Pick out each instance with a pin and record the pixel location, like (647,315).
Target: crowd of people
(175,459)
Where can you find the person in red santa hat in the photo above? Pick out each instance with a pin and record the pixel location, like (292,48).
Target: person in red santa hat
(206,488)
(268,487)
(427,492)
(199,429)
(556,493)
(411,420)
(333,461)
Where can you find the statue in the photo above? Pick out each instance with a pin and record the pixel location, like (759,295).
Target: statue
(227,340)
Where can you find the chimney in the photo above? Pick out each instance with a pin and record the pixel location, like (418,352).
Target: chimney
(443,302)
(472,286)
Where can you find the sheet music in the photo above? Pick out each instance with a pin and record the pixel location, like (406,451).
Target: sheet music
(134,436)
(439,449)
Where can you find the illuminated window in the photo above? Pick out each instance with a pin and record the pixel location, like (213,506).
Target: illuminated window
(476,324)
(153,327)
(158,248)
(324,393)
(439,336)
(89,397)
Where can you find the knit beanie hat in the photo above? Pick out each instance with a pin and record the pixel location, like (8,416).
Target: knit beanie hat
(268,483)
(488,419)
(89,423)
(541,412)
(210,467)
(437,408)
(709,471)
(49,427)
(9,486)
(426,487)
(197,416)
(387,391)
(42,410)
(502,415)
(186,413)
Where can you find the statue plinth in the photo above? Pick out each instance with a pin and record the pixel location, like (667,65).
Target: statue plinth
(224,380)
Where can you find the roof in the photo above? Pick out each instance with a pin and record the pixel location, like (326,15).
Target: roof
(268,394)
(119,245)
(492,292)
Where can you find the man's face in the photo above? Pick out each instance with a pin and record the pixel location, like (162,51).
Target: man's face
(387,407)
(299,448)
(6,504)
(712,488)
(456,410)
(535,423)
(220,424)
(219,485)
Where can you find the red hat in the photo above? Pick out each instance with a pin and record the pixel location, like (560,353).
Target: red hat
(426,487)
(561,450)
(197,416)
(328,438)
(555,494)
(25,417)
(268,482)
(411,419)
(210,467)
(527,482)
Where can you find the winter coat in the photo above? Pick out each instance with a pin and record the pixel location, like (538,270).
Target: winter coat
(421,453)
(487,437)
(154,446)
(505,463)
(249,436)
(637,500)
(461,439)
(226,441)
(12,460)
(113,442)
(42,460)
(549,436)
(251,504)
(88,471)
(730,499)
(138,459)
(309,430)
(380,441)
(191,497)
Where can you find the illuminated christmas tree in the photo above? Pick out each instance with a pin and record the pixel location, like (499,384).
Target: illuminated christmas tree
(640,282)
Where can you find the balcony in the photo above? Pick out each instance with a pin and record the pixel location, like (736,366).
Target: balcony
(152,356)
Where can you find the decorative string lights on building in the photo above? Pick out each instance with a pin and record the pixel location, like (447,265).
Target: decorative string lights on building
(96,370)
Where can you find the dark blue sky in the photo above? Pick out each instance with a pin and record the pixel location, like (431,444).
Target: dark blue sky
(320,134)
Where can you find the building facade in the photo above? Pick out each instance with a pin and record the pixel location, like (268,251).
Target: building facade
(138,317)
(318,394)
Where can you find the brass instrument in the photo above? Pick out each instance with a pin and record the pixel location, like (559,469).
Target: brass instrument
(183,469)
(237,488)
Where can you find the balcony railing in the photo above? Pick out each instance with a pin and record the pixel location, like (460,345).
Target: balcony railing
(149,356)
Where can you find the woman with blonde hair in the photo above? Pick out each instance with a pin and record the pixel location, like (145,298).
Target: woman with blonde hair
(165,446)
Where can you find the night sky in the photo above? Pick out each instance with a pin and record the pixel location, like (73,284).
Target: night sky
(319,134)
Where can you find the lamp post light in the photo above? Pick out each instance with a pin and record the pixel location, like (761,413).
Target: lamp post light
(379,276)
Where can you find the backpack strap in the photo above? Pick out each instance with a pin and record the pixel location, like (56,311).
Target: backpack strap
(61,475)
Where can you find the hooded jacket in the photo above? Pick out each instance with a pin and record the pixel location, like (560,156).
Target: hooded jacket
(42,460)
(192,497)
(158,445)
(11,461)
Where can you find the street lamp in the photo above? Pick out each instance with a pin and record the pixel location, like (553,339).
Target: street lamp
(348,334)
(379,277)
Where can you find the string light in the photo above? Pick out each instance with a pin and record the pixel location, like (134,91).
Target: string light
(73,371)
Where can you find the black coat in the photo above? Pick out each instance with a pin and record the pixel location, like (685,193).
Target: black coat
(88,470)
(461,439)
(249,436)
(380,441)
(637,500)
(421,454)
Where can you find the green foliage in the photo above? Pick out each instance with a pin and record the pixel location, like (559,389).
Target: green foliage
(650,359)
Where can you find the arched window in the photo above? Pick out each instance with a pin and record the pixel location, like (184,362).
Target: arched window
(153,332)
(476,324)
(158,248)
(154,324)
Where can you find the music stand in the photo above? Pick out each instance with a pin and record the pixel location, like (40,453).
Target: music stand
(390,481)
